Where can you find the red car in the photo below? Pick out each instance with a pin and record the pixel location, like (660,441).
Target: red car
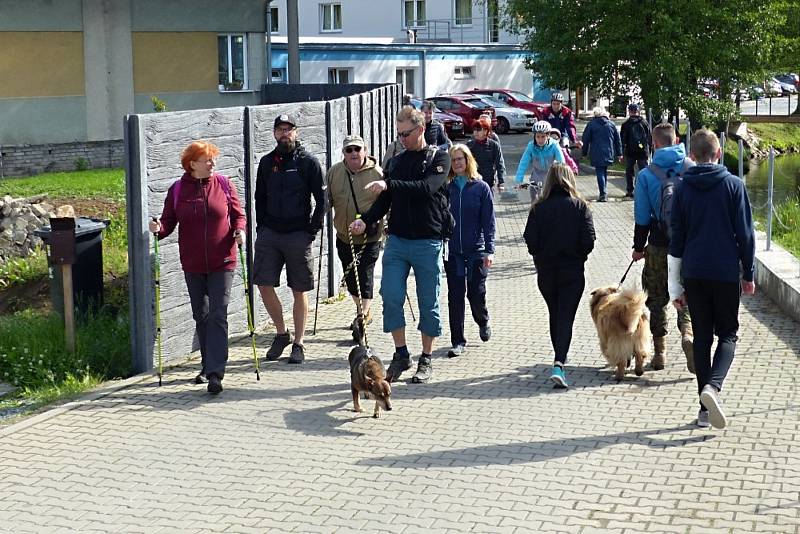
(515,99)
(468,107)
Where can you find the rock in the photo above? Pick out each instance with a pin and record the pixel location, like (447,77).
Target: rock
(38,210)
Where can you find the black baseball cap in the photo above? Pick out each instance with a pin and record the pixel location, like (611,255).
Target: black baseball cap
(284,118)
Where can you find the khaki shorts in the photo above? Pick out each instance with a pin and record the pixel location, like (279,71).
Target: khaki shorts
(273,250)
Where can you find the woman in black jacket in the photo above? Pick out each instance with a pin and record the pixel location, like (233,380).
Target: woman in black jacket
(560,236)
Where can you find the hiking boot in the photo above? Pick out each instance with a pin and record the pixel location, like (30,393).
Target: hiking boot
(660,356)
(485,332)
(424,370)
(709,398)
(629,194)
(214,384)
(298,354)
(702,419)
(456,351)
(558,377)
(200,378)
(398,365)
(687,344)
(280,342)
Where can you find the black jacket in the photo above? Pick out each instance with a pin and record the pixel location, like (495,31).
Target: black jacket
(560,232)
(284,187)
(417,199)
(435,134)
(489,158)
(629,147)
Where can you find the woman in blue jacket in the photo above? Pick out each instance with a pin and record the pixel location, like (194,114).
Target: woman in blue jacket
(471,249)
(602,143)
(540,154)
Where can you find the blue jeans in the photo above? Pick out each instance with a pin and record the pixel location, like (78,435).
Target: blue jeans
(602,179)
(399,257)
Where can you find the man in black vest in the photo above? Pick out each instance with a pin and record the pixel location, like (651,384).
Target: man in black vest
(637,145)
(286,227)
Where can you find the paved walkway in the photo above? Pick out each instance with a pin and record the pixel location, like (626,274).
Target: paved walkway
(488,446)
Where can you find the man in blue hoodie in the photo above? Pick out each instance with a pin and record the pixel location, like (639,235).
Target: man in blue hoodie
(669,162)
(713,249)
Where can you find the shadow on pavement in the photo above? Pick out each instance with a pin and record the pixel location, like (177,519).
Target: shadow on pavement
(537,451)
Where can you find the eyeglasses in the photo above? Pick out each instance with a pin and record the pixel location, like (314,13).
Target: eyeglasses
(403,135)
(285,130)
(351,149)
(459,158)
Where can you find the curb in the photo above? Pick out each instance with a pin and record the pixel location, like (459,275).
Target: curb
(778,276)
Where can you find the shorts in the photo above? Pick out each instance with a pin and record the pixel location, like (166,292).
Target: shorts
(366,266)
(273,250)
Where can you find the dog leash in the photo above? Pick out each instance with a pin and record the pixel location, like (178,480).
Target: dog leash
(356,261)
(626,273)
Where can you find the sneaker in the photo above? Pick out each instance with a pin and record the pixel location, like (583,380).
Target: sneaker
(702,419)
(214,384)
(424,370)
(485,332)
(298,354)
(709,398)
(280,342)
(200,378)
(456,351)
(398,365)
(558,377)
(602,198)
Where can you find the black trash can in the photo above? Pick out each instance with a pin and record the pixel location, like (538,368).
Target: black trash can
(87,271)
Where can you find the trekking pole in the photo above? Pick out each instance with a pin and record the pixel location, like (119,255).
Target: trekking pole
(319,279)
(250,321)
(157,283)
(358,288)
(411,308)
(626,273)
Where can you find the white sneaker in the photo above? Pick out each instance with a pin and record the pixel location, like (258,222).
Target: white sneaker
(710,399)
(702,419)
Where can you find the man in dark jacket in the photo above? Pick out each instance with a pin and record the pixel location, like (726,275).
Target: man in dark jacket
(637,144)
(415,189)
(286,227)
(434,130)
(713,248)
(601,142)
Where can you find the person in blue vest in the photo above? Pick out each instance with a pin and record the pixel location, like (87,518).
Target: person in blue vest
(602,143)
(471,249)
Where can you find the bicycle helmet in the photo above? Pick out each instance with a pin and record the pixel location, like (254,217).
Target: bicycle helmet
(541,127)
(557,96)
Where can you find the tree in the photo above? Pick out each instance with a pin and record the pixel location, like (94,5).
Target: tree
(660,49)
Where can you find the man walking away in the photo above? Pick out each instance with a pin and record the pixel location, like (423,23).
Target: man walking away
(651,206)
(713,248)
(637,144)
(601,142)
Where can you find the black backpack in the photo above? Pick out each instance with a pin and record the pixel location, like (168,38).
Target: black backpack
(669,179)
(637,142)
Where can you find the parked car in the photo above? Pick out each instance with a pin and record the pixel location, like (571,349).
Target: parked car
(514,99)
(509,118)
(453,124)
(468,107)
(786,87)
(790,78)
(772,87)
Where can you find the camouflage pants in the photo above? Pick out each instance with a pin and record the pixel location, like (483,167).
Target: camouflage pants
(654,281)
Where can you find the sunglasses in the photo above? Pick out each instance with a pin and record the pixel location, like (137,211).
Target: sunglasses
(405,134)
(351,149)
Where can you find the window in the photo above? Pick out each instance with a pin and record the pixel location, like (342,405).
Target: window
(278,75)
(232,50)
(463,73)
(330,17)
(273,20)
(463,12)
(414,13)
(340,75)
(405,77)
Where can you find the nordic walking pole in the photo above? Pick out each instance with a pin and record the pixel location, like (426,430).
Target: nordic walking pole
(411,308)
(319,277)
(250,325)
(157,282)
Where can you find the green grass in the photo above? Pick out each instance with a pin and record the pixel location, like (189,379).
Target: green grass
(99,183)
(786,225)
(23,270)
(784,137)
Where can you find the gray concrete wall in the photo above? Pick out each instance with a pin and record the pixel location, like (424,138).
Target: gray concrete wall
(198,15)
(47,120)
(778,276)
(41,15)
(108,67)
(244,134)
(27,160)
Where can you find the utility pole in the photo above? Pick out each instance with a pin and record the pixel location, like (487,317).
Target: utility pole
(268,20)
(293,36)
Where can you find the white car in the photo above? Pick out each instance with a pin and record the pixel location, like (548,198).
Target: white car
(509,119)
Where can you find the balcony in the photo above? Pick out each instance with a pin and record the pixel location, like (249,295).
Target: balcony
(475,30)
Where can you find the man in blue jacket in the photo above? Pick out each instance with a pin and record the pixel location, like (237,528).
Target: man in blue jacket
(669,161)
(602,143)
(713,249)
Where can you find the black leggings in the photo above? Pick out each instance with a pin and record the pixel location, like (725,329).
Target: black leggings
(562,290)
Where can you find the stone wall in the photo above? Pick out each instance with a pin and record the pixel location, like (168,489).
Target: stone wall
(27,160)
(19,218)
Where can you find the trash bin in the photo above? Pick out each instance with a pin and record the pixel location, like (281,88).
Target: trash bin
(87,269)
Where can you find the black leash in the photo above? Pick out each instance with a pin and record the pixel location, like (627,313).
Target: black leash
(626,273)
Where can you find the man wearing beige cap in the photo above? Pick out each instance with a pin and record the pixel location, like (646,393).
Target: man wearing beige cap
(348,197)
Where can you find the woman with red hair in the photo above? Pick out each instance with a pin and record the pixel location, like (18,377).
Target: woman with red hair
(487,153)
(210,220)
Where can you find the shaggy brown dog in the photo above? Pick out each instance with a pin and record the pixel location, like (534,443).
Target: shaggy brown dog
(623,326)
(368,375)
